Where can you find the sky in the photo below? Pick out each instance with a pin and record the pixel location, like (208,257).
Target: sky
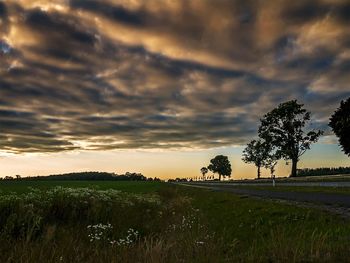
(162,86)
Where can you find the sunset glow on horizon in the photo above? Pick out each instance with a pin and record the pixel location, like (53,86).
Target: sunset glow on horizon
(161,87)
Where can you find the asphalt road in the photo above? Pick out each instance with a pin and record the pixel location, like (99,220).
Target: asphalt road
(311,197)
(322,184)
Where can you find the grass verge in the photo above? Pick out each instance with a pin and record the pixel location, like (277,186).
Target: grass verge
(305,189)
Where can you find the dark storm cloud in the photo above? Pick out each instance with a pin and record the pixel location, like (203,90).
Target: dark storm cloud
(342,12)
(163,74)
(24,131)
(306,11)
(61,38)
(57,27)
(3,10)
(114,12)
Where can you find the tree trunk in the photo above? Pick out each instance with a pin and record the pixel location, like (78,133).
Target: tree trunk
(258,172)
(294,168)
(219,177)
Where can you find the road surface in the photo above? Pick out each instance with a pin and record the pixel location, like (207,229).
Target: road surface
(322,184)
(342,200)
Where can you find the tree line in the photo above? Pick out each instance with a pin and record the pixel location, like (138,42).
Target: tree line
(90,176)
(323,171)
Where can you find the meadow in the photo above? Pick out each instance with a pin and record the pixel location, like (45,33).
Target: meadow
(22,186)
(159,222)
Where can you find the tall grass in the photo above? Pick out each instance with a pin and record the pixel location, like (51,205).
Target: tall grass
(90,225)
(86,225)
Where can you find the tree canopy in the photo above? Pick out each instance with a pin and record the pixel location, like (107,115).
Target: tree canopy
(256,152)
(340,124)
(204,171)
(283,127)
(220,165)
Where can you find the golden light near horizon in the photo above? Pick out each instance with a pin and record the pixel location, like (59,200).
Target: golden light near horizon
(161,86)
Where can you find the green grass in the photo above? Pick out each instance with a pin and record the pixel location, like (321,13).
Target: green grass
(174,224)
(23,186)
(263,229)
(322,178)
(307,189)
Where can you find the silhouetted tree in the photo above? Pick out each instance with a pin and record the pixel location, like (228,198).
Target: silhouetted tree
(271,158)
(283,127)
(270,163)
(204,171)
(340,124)
(221,165)
(256,152)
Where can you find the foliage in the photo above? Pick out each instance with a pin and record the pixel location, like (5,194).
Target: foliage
(87,225)
(22,186)
(340,124)
(25,216)
(204,171)
(89,176)
(221,165)
(323,171)
(177,180)
(267,231)
(271,159)
(284,126)
(271,164)
(172,224)
(256,152)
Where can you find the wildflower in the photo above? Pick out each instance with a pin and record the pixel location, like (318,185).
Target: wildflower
(131,237)
(99,232)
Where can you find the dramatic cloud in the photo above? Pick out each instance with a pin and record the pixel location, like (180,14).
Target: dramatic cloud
(89,74)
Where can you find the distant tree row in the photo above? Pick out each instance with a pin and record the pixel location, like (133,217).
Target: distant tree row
(84,176)
(323,171)
(282,135)
(178,180)
(193,179)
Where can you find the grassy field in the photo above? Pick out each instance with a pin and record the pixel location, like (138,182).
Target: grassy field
(322,178)
(160,222)
(307,189)
(126,186)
